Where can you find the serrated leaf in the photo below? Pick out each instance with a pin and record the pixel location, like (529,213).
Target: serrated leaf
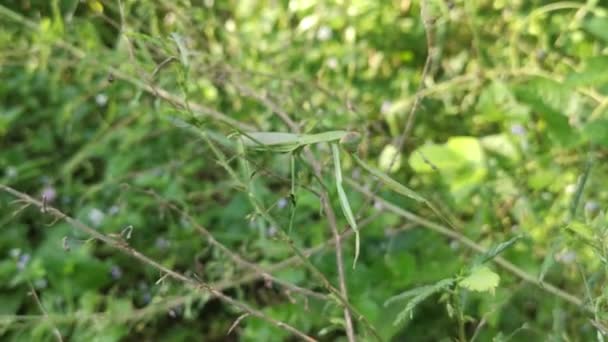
(481,279)
(545,98)
(418,295)
(497,249)
(549,260)
(581,230)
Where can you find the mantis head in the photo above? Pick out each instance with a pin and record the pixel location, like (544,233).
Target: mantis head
(350,141)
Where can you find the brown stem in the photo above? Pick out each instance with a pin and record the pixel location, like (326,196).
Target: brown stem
(128,250)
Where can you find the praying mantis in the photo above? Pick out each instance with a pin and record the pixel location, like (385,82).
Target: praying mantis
(348,141)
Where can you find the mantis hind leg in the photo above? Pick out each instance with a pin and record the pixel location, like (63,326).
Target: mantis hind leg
(344,204)
(292,194)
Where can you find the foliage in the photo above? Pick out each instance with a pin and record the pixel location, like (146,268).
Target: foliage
(124,116)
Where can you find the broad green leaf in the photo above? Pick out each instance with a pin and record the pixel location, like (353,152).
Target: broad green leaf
(581,230)
(461,160)
(96,6)
(455,154)
(468,148)
(597,132)
(500,144)
(481,279)
(597,26)
(425,158)
(594,73)
(390,159)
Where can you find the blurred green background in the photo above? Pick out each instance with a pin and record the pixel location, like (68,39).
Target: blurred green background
(510,141)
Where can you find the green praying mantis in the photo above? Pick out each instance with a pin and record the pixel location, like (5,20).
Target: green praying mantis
(278,142)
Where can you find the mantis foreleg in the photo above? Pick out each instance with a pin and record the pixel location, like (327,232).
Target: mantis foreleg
(344,204)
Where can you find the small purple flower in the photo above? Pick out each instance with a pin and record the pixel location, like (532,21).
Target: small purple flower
(282,203)
(96,216)
(378,205)
(386,107)
(14,253)
(49,193)
(101,99)
(567,257)
(175,312)
(11,172)
(116,272)
(23,261)
(41,283)
(272,231)
(324,33)
(591,206)
(146,298)
(518,129)
(162,243)
(114,210)
(455,245)
(332,63)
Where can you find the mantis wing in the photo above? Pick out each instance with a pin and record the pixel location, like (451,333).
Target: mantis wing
(272,141)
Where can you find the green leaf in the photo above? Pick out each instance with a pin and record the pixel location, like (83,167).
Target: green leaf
(594,73)
(581,230)
(547,99)
(457,153)
(390,159)
(497,249)
(500,144)
(597,132)
(597,26)
(425,158)
(549,259)
(418,295)
(481,279)
(468,148)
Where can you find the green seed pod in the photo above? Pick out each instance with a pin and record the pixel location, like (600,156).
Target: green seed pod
(351,141)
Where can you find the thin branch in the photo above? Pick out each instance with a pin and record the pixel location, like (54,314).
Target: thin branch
(427,22)
(175,301)
(324,198)
(418,96)
(122,246)
(469,243)
(44,312)
(235,257)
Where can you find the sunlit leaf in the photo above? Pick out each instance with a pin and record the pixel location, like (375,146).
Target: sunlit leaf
(481,279)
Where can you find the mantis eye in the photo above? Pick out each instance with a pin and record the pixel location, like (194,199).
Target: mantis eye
(351,141)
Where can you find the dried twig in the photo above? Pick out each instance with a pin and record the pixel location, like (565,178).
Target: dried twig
(44,312)
(453,234)
(235,257)
(128,250)
(324,198)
